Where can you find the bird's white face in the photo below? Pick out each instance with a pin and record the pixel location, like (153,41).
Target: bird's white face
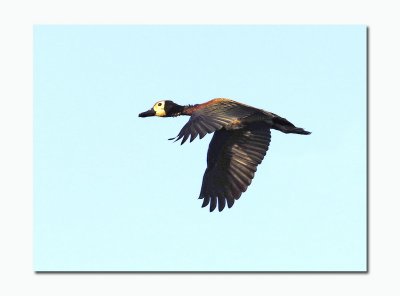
(159,108)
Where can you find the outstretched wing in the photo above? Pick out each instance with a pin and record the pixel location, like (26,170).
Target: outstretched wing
(232,160)
(212,116)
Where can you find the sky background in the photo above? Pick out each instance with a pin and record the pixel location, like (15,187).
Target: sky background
(112,194)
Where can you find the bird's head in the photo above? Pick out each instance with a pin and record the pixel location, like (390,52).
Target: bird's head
(163,109)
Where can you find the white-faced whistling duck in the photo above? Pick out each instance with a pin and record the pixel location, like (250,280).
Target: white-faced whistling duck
(241,138)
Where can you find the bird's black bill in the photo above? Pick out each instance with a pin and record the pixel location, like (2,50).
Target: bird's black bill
(148,113)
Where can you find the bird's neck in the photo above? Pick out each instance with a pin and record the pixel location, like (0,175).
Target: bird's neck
(177,110)
(189,109)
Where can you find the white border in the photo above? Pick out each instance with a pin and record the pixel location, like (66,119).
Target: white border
(17,18)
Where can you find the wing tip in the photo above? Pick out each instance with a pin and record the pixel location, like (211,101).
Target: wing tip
(219,203)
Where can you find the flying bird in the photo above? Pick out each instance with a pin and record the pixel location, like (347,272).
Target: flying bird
(241,139)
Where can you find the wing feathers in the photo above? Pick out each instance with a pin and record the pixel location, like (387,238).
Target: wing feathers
(221,202)
(213,116)
(235,150)
(206,201)
(232,160)
(213,204)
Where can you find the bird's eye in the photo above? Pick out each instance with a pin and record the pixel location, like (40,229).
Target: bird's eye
(159,104)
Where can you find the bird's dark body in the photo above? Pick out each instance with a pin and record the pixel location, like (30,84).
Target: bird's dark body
(240,141)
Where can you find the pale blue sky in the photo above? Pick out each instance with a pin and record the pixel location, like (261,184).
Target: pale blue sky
(112,194)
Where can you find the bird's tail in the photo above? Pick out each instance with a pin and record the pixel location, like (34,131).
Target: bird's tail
(283,125)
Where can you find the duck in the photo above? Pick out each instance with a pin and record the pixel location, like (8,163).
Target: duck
(241,138)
